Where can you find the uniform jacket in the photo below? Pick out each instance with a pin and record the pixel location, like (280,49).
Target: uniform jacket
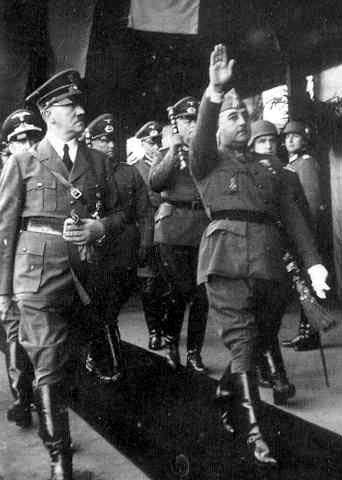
(133,197)
(228,180)
(36,262)
(307,170)
(174,225)
(143,165)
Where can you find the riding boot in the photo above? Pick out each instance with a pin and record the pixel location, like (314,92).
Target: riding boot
(282,388)
(197,324)
(194,361)
(153,311)
(105,359)
(54,429)
(306,339)
(223,398)
(246,403)
(20,376)
(172,352)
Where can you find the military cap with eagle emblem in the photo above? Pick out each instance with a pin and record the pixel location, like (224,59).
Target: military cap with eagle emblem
(151,130)
(19,124)
(186,107)
(63,85)
(101,126)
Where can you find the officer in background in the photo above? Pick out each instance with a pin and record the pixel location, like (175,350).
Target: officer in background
(143,149)
(179,224)
(270,364)
(40,247)
(114,283)
(296,136)
(19,132)
(240,257)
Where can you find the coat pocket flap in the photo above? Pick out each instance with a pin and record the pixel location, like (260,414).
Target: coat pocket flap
(228,226)
(33,246)
(165,210)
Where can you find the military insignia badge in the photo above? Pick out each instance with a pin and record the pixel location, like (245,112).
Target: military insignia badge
(232,185)
(191,110)
(109,129)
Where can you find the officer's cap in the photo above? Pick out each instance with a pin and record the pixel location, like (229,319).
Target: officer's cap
(101,126)
(19,124)
(232,101)
(186,107)
(295,126)
(61,86)
(151,130)
(261,128)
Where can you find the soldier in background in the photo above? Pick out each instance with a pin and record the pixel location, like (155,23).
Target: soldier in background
(116,280)
(240,256)
(179,224)
(307,168)
(270,364)
(19,132)
(143,149)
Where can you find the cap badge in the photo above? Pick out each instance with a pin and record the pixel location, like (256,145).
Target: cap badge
(191,110)
(154,133)
(109,128)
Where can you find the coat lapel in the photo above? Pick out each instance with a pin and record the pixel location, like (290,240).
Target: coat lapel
(46,154)
(81,164)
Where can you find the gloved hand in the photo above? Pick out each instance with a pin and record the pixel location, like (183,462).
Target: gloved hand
(318,275)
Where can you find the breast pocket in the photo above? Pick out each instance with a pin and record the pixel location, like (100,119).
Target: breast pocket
(42,193)
(29,262)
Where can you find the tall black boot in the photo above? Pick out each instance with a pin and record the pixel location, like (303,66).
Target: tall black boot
(105,359)
(307,338)
(246,403)
(172,352)
(20,376)
(154,311)
(224,398)
(54,429)
(283,390)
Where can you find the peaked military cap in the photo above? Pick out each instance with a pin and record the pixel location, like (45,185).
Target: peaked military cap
(18,124)
(232,100)
(63,85)
(151,130)
(186,107)
(101,126)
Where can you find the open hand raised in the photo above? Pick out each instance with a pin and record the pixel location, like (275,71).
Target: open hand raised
(220,69)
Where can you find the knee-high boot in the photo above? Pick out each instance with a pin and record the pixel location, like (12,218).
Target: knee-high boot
(245,404)
(20,376)
(282,388)
(54,429)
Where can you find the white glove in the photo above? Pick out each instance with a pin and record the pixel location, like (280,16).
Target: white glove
(318,275)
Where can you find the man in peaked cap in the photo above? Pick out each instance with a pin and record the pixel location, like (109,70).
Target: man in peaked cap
(128,250)
(307,168)
(42,249)
(143,150)
(179,224)
(20,131)
(240,256)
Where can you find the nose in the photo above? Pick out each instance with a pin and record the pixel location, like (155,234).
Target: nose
(242,119)
(80,110)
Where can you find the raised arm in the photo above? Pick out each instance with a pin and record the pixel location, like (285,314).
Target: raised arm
(203,151)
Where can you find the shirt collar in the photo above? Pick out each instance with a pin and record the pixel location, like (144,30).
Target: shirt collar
(58,145)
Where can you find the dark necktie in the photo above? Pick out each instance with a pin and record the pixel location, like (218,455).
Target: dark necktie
(66,158)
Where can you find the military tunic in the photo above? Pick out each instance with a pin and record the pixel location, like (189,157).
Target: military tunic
(179,224)
(35,266)
(240,260)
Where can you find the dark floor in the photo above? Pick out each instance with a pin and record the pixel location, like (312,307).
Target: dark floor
(22,456)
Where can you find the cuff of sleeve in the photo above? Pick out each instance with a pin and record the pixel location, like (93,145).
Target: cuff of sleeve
(214,97)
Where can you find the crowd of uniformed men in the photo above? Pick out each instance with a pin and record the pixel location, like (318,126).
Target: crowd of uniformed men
(199,216)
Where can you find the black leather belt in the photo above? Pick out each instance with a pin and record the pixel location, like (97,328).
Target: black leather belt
(50,225)
(195,205)
(244,216)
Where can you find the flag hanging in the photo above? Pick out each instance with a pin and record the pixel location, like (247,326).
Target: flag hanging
(165,16)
